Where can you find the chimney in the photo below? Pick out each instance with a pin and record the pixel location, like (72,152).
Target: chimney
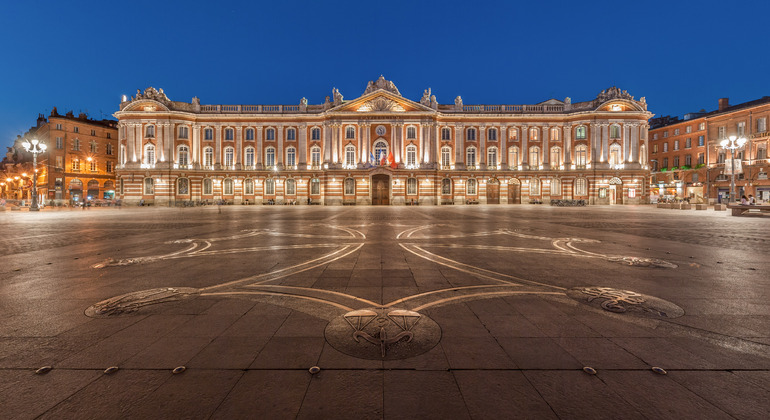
(724,103)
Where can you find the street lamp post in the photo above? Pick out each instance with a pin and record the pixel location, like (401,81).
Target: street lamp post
(35,147)
(732,143)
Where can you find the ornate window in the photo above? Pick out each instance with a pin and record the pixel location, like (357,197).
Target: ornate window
(350,132)
(615,157)
(411,133)
(291,134)
(183,155)
(534,186)
(555,157)
(94,147)
(248,186)
(350,186)
(581,187)
(470,187)
(150,131)
(149,186)
(470,156)
(380,150)
(555,133)
(249,134)
(470,135)
(249,157)
(446,154)
(446,133)
(615,131)
(208,186)
(270,134)
(208,134)
(208,156)
(229,157)
(227,186)
(492,157)
(580,132)
(446,186)
(229,134)
(269,186)
(581,156)
(291,187)
(534,156)
(492,134)
(315,156)
(555,186)
(315,134)
(514,160)
(184,132)
(270,157)
(411,156)
(315,186)
(513,134)
(149,154)
(291,157)
(75,165)
(350,155)
(533,132)
(411,186)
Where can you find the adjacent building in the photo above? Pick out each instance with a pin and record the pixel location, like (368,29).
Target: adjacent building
(383,149)
(688,161)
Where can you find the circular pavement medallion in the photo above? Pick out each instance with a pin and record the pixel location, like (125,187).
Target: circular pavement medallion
(383,333)
(625,301)
(132,302)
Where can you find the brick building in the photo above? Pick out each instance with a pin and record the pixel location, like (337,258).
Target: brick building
(382,148)
(688,161)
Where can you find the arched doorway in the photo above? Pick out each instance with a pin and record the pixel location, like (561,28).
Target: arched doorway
(380,190)
(514,191)
(76,189)
(616,191)
(493,191)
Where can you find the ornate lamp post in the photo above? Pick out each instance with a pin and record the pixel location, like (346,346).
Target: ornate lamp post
(35,147)
(732,143)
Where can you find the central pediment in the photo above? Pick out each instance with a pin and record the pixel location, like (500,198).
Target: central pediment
(381,101)
(381,104)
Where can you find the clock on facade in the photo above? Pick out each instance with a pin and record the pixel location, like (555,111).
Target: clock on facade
(380,130)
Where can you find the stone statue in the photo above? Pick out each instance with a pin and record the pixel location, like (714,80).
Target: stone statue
(327,104)
(303,104)
(138,94)
(337,96)
(433,102)
(425,100)
(567,100)
(459,103)
(196,101)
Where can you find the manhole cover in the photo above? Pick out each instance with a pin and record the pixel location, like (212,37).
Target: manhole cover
(383,333)
(625,301)
(132,302)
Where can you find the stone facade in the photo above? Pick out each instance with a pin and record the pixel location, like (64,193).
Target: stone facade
(382,148)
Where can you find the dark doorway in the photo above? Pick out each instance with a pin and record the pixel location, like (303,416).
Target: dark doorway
(514,193)
(380,190)
(493,192)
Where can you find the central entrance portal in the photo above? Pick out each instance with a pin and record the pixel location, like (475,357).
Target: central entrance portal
(380,190)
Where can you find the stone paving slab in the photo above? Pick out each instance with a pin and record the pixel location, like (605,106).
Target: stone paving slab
(523,298)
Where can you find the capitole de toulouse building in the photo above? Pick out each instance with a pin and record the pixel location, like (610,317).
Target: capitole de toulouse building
(382,149)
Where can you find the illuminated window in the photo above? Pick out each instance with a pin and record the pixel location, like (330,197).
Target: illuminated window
(269,186)
(149,154)
(446,186)
(315,186)
(533,134)
(149,186)
(350,186)
(492,157)
(470,156)
(249,157)
(208,156)
(93,165)
(229,156)
(411,186)
(291,157)
(581,156)
(75,165)
(227,186)
(446,154)
(555,156)
(534,186)
(248,186)
(470,187)
(615,131)
(514,160)
(315,156)
(270,157)
(581,187)
(208,186)
(380,150)
(555,186)
(580,132)
(411,155)
(534,156)
(350,155)
(291,187)
(182,186)
(554,134)
(59,162)
(513,134)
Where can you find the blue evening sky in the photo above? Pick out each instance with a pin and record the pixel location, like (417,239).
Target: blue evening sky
(83,55)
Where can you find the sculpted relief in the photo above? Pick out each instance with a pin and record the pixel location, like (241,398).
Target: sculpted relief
(381,104)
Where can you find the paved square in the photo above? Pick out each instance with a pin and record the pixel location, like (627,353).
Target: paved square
(452,312)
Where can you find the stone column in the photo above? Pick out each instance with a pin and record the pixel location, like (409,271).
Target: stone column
(459,150)
(130,143)
(260,152)
(237,159)
(279,148)
(482,158)
(524,148)
(365,142)
(326,141)
(196,144)
(436,145)
(218,145)
(626,133)
(171,143)
(546,147)
(605,143)
(596,143)
(634,140)
(399,129)
(302,152)
(567,141)
(139,136)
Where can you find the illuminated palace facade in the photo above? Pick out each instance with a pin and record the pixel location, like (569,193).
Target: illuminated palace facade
(382,149)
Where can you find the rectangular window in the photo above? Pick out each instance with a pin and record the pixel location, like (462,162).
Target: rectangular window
(665,134)
(184,132)
(76,144)
(721,157)
(249,134)
(446,134)
(701,126)
(59,162)
(208,134)
(688,160)
(701,159)
(741,126)
(676,161)
(676,131)
(688,143)
(688,129)
(93,132)
(93,166)
(59,142)
(701,140)
(109,149)
(75,165)
(665,147)
(75,130)
(229,134)
(110,166)
(676,144)
(665,162)
(94,147)
(761,125)
(109,135)
(721,133)
(654,148)
(58,126)
(655,136)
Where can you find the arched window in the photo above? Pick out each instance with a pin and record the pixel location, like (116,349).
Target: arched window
(269,186)
(208,156)
(533,132)
(248,186)
(470,187)
(446,154)
(615,157)
(291,157)
(229,157)
(227,186)
(229,134)
(581,187)
(182,186)
(350,186)
(492,157)
(411,156)
(555,157)
(249,157)
(149,186)
(183,155)
(350,155)
(643,155)
(514,160)
(411,186)
(315,134)
(93,189)
(270,157)
(291,134)
(446,186)
(534,156)
(150,132)
(581,156)
(556,186)
(149,154)
(380,150)
(446,133)
(123,155)
(270,134)
(492,134)
(470,157)
(249,134)
(315,186)
(555,134)
(411,132)
(580,132)
(315,156)
(534,186)
(291,187)
(513,134)
(470,135)
(614,131)
(208,186)
(350,132)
